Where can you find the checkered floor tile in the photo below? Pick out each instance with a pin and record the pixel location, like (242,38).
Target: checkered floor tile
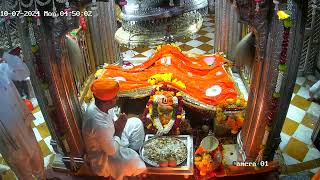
(296,133)
(199,43)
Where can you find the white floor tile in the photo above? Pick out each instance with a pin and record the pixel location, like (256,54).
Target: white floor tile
(211,42)
(194,36)
(284,140)
(303,92)
(289,160)
(210,35)
(293,95)
(312,154)
(314,109)
(300,80)
(303,134)
(39,118)
(129,54)
(47,141)
(315,170)
(34,102)
(209,29)
(295,113)
(194,43)
(178,43)
(197,51)
(47,160)
(37,134)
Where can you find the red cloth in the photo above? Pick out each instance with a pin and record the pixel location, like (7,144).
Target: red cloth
(105,89)
(28,104)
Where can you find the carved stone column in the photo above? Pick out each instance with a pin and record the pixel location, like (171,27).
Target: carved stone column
(264,71)
(299,16)
(211,6)
(253,130)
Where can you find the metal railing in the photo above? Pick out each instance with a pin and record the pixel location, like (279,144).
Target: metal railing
(311,42)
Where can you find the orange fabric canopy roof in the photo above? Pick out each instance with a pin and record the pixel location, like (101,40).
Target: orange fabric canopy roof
(204,77)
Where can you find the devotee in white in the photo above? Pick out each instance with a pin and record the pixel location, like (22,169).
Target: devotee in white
(315,92)
(107,154)
(18,144)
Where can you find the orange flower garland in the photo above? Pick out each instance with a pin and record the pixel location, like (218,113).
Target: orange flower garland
(234,120)
(205,167)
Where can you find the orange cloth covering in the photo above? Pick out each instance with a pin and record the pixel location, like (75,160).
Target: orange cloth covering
(105,89)
(194,72)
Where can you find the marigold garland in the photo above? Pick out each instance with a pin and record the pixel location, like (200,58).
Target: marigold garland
(166,77)
(234,120)
(203,167)
(287,23)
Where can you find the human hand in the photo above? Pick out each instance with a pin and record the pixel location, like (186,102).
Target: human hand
(120,124)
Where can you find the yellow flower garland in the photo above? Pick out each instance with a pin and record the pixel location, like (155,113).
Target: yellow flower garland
(172,44)
(166,77)
(283,15)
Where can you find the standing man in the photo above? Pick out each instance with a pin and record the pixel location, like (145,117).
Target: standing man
(107,154)
(22,86)
(18,144)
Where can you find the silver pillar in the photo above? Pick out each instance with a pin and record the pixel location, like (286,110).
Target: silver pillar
(102,27)
(228,28)
(211,6)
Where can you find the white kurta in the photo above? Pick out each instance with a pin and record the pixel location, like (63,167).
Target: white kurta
(108,155)
(18,144)
(315,90)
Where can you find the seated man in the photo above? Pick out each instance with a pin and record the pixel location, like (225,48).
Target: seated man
(107,154)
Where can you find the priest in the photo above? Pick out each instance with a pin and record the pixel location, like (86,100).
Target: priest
(111,139)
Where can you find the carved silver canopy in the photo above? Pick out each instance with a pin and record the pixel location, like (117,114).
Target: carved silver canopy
(153,22)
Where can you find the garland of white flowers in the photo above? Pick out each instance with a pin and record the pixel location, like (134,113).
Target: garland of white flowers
(150,114)
(31,34)
(161,129)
